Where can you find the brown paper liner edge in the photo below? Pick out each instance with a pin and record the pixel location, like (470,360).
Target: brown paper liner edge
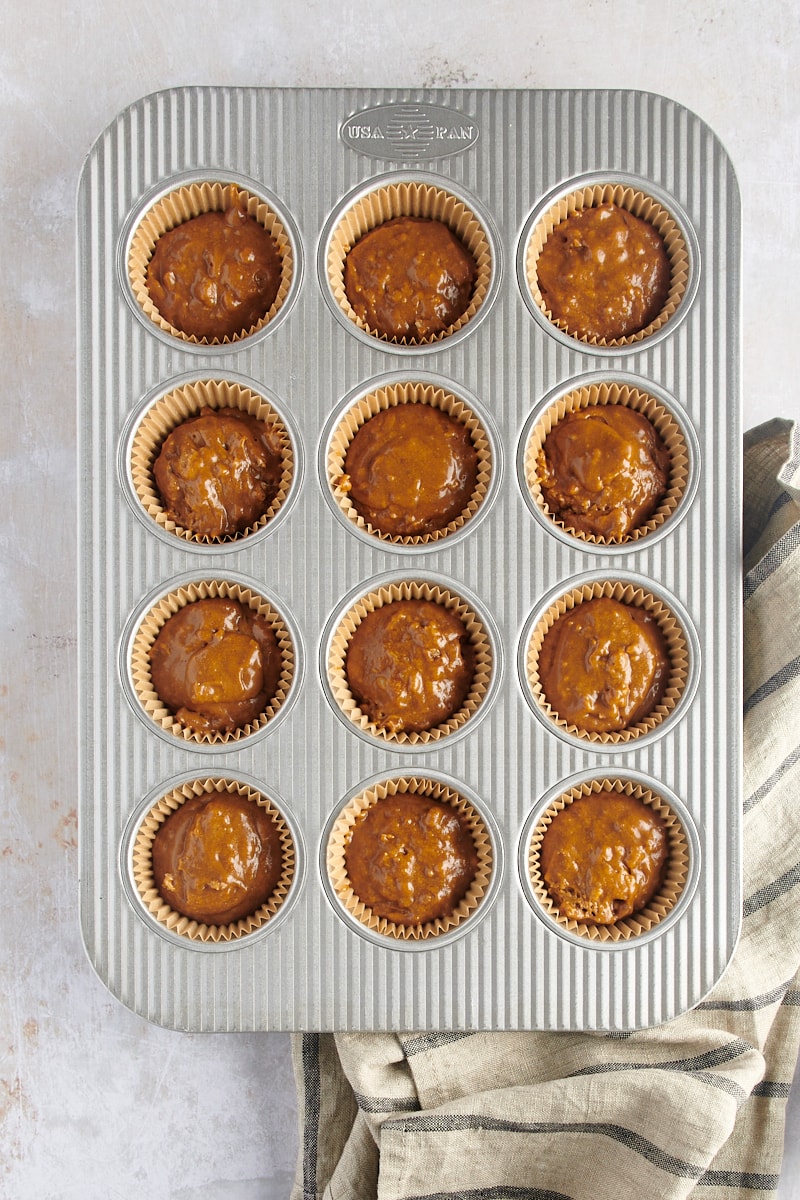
(409,199)
(409,590)
(641,205)
(181,205)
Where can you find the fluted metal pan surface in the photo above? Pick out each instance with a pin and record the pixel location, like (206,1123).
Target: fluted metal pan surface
(499,160)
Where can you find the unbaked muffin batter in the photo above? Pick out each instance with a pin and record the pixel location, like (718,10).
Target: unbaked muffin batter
(603,470)
(410,665)
(216,663)
(411,859)
(604,665)
(410,469)
(217,473)
(217,858)
(215,275)
(409,278)
(603,857)
(604,273)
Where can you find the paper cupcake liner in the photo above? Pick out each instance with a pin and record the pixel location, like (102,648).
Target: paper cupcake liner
(409,590)
(677,647)
(149,629)
(663,901)
(191,201)
(339,839)
(143,864)
(409,200)
(660,418)
(641,205)
(388,397)
(171,411)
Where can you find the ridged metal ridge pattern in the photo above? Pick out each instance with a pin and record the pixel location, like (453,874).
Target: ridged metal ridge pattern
(312,972)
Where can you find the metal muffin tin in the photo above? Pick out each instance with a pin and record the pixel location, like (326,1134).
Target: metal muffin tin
(506,154)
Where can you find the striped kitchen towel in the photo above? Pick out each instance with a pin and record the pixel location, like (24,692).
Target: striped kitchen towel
(691,1108)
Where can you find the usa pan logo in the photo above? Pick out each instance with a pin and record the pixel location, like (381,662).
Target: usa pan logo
(408,132)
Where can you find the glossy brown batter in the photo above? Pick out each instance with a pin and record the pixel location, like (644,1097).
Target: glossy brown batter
(216,663)
(604,665)
(603,470)
(411,859)
(604,272)
(603,857)
(218,472)
(217,858)
(409,278)
(215,275)
(410,469)
(410,665)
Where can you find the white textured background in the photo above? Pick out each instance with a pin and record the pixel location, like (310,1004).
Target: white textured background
(94,1103)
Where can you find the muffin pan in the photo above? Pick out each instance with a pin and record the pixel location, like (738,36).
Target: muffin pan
(498,166)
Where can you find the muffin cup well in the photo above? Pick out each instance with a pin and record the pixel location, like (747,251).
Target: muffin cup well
(662,903)
(147,632)
(339,838)
(142,864)
(181,204)
(626,592)
(409,590)
(389,396)
(608,393)
(641,205)
(179,405)
(414,199)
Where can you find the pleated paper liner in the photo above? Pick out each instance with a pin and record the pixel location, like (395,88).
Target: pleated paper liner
(151,626)
(181,205)
(339,840)
(180,405)
(143,864)
(661,903)
(387,397)
(610,393)
(409,200)
(640,205)
(409,590)
(674,636)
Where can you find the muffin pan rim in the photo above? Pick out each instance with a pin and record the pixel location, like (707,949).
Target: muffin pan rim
(437,942)
(229,774)
(613,773)
(375,183)
(130,630)
(172,182)
(397,576)
(672,406)
(146,404)
(648,187)
(393,379)
(646,584)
